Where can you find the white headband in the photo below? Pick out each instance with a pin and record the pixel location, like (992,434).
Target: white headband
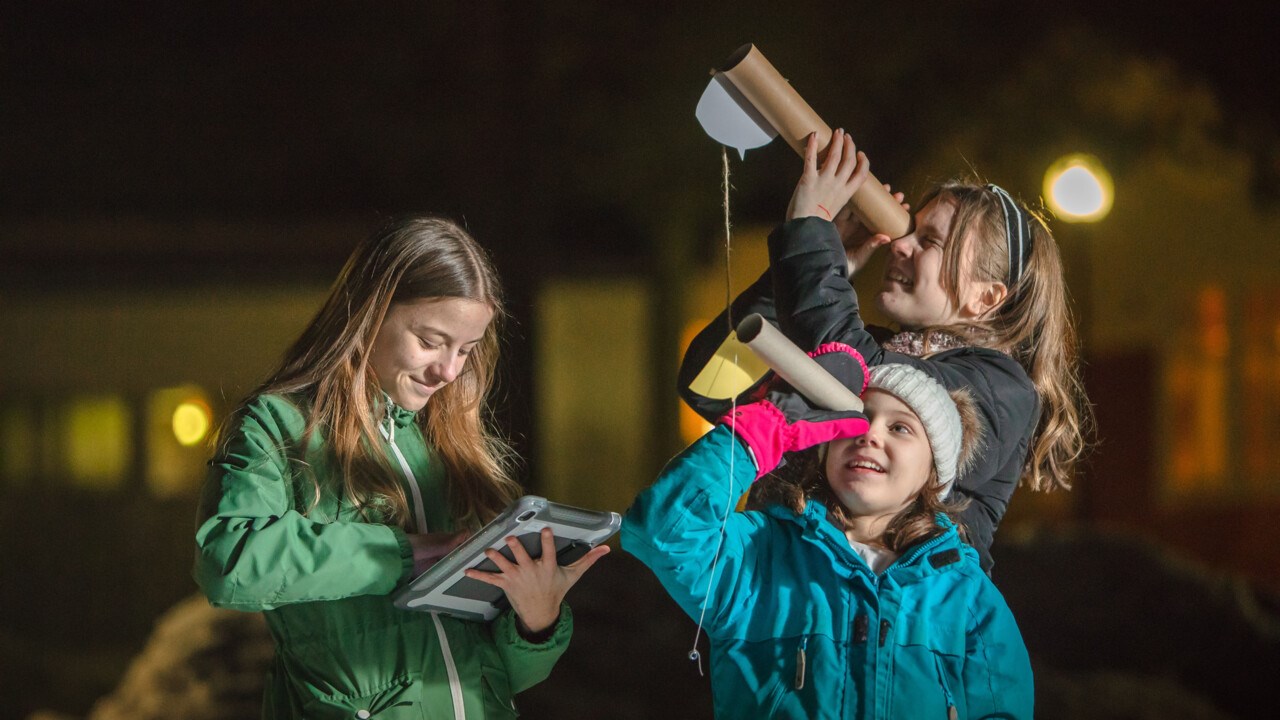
(1017,233)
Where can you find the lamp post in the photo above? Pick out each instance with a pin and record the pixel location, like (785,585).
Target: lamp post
(1079,191)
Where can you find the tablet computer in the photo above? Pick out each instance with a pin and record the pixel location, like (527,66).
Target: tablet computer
(445,589)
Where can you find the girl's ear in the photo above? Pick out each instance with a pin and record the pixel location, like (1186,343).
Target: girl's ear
(985,299)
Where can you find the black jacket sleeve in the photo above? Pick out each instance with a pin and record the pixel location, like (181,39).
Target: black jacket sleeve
(757,298)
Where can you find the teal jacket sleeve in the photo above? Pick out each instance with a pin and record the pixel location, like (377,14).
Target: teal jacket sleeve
(530,663)
(255,550)
(674,527)
(998,682)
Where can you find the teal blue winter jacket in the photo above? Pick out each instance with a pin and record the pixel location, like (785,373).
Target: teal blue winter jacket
(800,626)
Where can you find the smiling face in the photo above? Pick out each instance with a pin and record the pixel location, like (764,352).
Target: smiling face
(879,473)
(912,292)
(423,345)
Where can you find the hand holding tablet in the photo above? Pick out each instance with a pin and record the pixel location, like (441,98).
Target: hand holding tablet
(535,587)
(448,588)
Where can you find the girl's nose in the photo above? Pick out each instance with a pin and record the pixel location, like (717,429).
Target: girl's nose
(903,246)
(867,438)
(448,369)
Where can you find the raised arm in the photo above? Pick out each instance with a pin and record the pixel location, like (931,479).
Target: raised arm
(813,300)
(674,526)
(255,550)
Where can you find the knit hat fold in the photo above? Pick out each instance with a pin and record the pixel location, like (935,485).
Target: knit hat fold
(932,403)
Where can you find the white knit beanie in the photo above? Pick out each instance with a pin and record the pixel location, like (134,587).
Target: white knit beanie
(937,412)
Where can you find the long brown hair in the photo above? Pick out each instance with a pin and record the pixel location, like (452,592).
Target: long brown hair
(408,259)
(1033,324)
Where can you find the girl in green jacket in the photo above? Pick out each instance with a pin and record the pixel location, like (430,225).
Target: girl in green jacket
(360,462)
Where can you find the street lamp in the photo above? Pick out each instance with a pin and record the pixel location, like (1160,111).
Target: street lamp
(1078,188)
(191,422)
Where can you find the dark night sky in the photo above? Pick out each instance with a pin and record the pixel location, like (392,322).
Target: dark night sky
(518,116)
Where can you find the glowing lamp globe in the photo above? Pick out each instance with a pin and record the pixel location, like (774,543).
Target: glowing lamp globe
(1079,189)
(190,423)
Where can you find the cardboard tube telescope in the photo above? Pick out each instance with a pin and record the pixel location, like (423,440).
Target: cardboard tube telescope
(779,104)
(794,366)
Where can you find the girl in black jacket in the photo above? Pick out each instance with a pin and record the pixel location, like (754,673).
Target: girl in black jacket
(978,293)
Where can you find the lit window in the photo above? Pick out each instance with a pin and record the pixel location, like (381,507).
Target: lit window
(1196,384)
(97,441)
(594,391)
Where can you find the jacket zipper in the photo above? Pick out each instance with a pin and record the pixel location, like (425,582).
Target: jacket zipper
(455,685)
(800,663)
(952,713)
(885,625)
(419,510)
(451,668)
(912,557)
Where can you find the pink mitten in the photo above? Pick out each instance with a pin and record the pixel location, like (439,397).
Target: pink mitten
(785,421)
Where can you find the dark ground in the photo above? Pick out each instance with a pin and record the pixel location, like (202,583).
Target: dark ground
(1118,630)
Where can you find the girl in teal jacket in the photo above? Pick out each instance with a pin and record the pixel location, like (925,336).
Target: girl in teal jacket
(847,592)
(357,465)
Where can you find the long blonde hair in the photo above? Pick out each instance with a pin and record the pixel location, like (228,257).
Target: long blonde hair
(1033,324)
(408,259)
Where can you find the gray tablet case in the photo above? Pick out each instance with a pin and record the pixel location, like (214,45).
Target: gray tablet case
(445,589)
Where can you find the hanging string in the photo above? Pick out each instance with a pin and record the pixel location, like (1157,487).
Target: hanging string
(728,276)
(694,655)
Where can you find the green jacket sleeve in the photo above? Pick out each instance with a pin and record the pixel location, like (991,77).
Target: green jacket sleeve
(256,551)
(530,663)
(673,526)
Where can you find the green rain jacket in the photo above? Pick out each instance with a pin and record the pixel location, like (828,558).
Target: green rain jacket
(323,580)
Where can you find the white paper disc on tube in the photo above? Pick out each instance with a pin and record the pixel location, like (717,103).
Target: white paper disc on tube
(730,119)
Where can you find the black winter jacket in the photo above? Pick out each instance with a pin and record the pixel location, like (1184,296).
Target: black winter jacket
(806,293)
